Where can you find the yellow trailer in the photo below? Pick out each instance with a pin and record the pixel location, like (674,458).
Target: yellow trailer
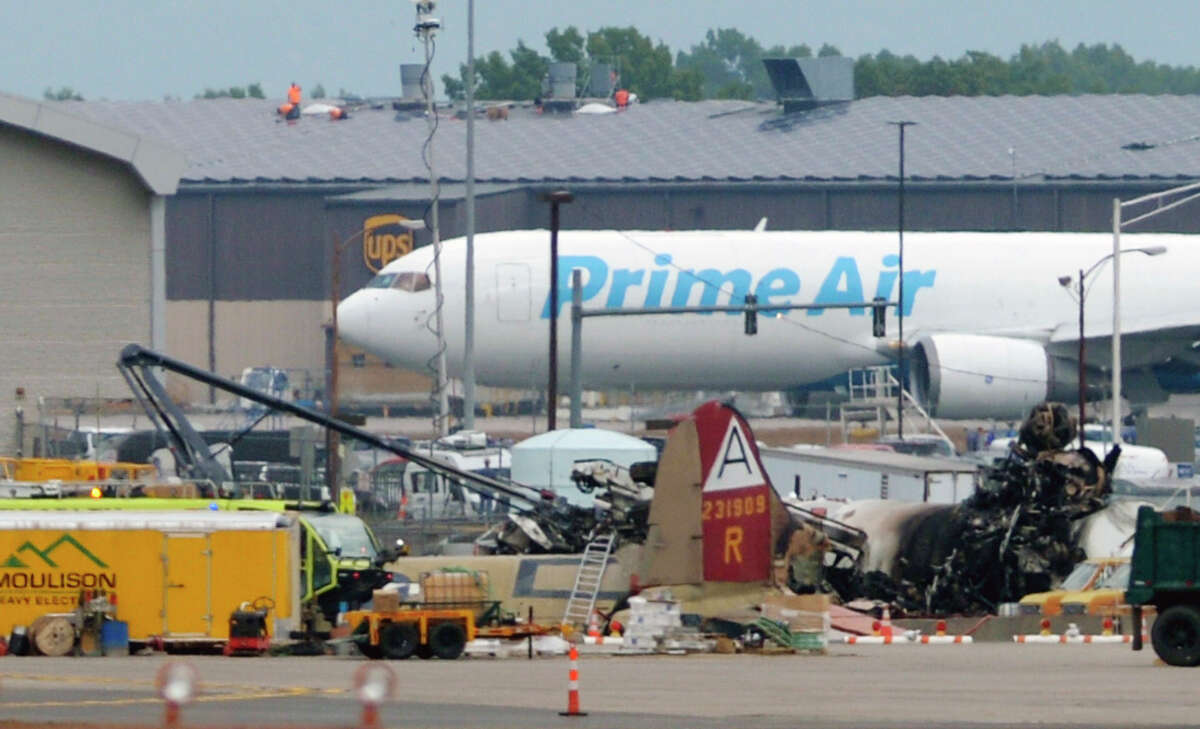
(178,575)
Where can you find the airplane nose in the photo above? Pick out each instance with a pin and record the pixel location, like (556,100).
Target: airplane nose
(353,319)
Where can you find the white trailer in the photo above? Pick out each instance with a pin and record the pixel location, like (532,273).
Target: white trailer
(836,473)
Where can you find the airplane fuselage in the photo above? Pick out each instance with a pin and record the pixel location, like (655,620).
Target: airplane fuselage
(1001,284)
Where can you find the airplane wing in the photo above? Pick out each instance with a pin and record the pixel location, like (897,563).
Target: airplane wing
(1144,342)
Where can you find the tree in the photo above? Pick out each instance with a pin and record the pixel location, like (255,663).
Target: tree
(729,63)
(64,93)
(253,91)
(642,67)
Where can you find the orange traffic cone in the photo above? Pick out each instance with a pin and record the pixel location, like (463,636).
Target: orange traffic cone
(403,513)
(593,629)
(573,686)
(886,628)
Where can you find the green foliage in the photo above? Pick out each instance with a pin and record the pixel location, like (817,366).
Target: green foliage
(64,93)
(728,65)
(567,46)
(1034,70)
(253,91)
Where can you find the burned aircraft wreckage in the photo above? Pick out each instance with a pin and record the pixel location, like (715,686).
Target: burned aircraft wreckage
(1015,535)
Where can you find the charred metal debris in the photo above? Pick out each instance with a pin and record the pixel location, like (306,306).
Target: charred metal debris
(1014,536)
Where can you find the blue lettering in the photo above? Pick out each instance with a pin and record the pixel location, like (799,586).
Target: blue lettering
(683,287)
(887,279)
(777,282)
(834,292)
(622,279)
(914,280)
(658,282)
(596,273)
(714,281)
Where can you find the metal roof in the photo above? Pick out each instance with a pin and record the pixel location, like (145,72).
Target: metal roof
(873,460)
(956,139)
(158,166)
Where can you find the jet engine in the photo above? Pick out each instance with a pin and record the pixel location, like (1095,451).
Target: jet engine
(975,376)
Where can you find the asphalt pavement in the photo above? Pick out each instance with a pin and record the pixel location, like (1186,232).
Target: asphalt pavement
(983,684)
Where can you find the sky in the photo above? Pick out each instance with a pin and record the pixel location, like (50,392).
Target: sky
(151,49)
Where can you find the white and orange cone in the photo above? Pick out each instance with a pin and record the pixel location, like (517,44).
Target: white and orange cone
(573,686)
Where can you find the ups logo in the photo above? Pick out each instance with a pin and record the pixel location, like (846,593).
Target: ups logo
(385,240)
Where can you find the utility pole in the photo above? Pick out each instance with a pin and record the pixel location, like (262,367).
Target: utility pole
(900,299)
(555,199)
(426,27)
(469,294)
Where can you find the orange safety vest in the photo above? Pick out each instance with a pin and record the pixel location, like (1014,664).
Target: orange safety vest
(621,97)
(294,94)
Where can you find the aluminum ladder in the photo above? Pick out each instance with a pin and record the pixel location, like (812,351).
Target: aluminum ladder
(587,580)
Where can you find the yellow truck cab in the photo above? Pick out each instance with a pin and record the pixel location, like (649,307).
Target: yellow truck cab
(1086,576)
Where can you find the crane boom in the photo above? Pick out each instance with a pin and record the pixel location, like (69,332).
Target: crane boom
(136,365)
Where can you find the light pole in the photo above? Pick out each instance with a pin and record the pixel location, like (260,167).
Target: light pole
(900,306)
(1161,206)
(331,378)
(1080,295)
(556,198)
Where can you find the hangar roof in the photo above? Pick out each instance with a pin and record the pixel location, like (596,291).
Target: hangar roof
(159,166)
(956,139)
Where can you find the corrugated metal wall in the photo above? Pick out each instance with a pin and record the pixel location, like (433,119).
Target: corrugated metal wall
(75,284)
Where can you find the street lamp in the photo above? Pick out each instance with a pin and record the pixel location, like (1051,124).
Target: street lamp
(331,378)
(1080,295)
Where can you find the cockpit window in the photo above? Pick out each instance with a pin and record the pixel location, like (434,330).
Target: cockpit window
(382,281)
(410,281)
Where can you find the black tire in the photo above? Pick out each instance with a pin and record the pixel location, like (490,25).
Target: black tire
(448,640)
(362,639)
(1176,636)
(424,652)
(398,640)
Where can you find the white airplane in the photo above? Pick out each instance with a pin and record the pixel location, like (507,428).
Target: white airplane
(989,328)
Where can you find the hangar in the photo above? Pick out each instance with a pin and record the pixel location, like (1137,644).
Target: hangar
(269,213)
(83,239)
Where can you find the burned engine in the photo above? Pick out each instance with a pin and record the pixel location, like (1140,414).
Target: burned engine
(1014,536)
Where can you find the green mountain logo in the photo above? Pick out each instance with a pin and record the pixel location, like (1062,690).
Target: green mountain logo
(15,562)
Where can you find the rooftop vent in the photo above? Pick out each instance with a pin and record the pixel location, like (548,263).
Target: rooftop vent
(600,83)
(806,83)
(558,88)
(411,96)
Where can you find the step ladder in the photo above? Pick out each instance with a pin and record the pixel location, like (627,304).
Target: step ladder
(587,580)
(874,394)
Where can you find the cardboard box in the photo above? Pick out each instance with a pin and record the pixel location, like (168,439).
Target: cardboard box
(385,601)
(464,589)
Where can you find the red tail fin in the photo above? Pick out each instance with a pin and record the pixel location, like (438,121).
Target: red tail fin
(736,498)
(715,516)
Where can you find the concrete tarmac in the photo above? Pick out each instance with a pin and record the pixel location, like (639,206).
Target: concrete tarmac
(984,684)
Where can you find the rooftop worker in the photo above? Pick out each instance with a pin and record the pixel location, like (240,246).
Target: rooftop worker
(291,110)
